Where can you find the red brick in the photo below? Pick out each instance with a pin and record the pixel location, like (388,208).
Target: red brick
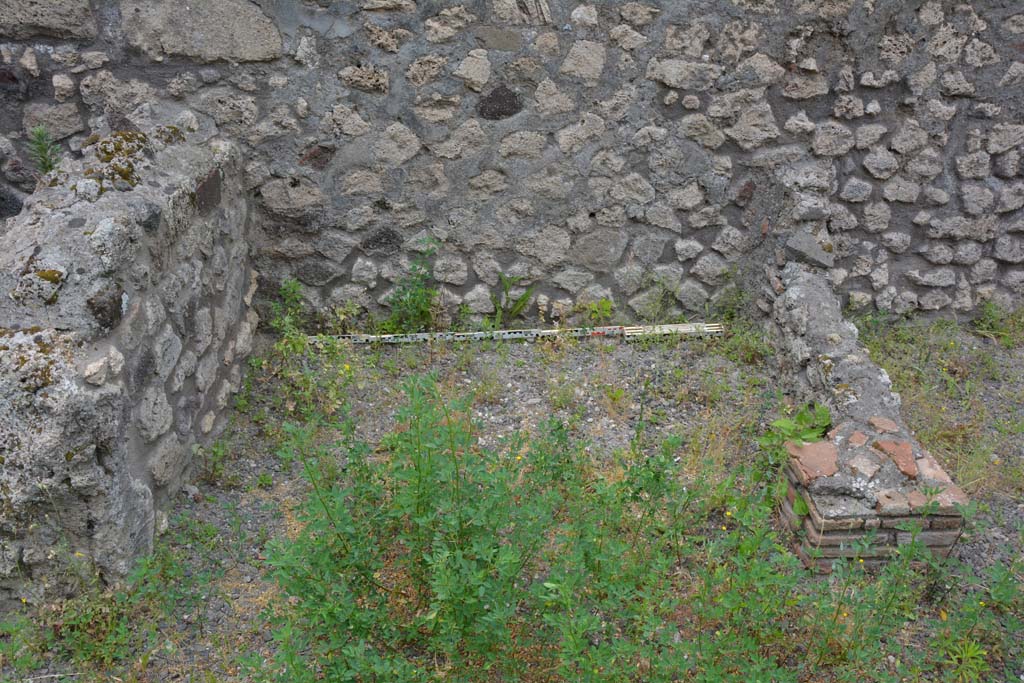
(902,453)
(817,565)
(884,424)
(819,538)
(895,522)
(858,439)
(931,470)
(946,522)
(892,503)
(951,496)
(932,539)
(813,460)
(841,551)
(789,518)
(822,524)
(917,500)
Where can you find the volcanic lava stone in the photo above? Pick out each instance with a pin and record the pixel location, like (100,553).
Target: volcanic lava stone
(500,103)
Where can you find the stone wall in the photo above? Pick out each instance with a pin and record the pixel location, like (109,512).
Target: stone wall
(619,150)
(125,312)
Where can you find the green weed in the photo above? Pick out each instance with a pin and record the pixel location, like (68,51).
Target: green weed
(435,559)
(43,150)
(506,307)
(413,302)
(1000,325)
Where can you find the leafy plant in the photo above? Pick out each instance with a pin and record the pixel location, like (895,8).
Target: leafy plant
(43,150)
(600,312)
(288,310)
(429,556)
(507,308)
(808,425)
(966,660)
(413,300)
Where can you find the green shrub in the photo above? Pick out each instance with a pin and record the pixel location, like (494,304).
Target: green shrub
(413,301)
(42,150)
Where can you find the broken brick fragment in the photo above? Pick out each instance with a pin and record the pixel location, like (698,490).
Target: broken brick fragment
(949,498)
(858,439)
(813,460)
(931,470)
(884,424)
(902,453)
(917,500)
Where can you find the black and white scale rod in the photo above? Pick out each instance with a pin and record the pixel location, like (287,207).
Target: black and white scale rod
(625,331)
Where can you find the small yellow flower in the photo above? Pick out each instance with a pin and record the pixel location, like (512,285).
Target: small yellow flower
(519,457)
(348,367)
(728,513)
(982,603)
(724,528)
(861,560)
(24,601)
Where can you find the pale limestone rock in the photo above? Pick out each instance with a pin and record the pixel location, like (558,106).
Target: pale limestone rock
(64,87)
(974,166)
(361,182)
(207,30)
(60,120)
(832,138)
(53,18)
(366,78)
(799,124)
(976,199)
(677,73)
(550,100)
(344,120)
(470,137)
(448,23)
(754,127)
(396,145)
(585,61)
(1004,137)
(425,69)
(585,15)
(29,63)
(474,70)
(573,137)
(626,38)
(528,144)
(805,86)
(702,129)
(870,134)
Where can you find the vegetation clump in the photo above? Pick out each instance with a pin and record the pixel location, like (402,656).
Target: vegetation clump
(43,150)
(413,303)
(432,558)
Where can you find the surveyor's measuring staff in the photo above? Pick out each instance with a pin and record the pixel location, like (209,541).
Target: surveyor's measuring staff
(625,331)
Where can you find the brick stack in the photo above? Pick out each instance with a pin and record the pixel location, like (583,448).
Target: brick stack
(868,483)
